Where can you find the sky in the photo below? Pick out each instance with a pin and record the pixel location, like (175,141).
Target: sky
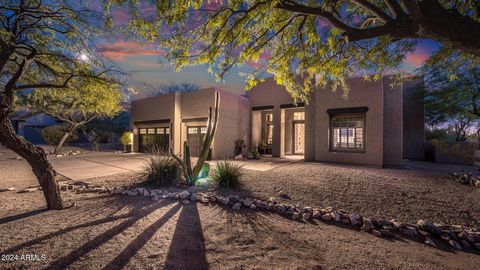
(144,62)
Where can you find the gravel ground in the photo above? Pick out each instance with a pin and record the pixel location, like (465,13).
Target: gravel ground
(122,232)
(406,195)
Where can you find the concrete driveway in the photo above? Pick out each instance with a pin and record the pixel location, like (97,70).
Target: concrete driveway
(98,165)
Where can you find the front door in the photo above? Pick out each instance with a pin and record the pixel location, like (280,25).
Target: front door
(195,138)
(298,138)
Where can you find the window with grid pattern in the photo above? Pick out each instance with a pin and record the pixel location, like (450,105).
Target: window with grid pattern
(348,133)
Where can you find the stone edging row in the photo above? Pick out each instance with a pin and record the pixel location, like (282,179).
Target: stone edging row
(431,234)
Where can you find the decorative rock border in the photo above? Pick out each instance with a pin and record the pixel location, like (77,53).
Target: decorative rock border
(467,178)
(429,233)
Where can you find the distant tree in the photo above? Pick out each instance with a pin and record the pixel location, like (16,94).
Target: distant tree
(452,99)
(173,87)
(41,46)
(326,40)
(76,105)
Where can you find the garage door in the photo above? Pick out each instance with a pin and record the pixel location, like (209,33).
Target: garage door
(154,137)
(195,138)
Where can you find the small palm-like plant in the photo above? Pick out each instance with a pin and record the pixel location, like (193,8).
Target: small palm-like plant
(227,174)
(161,171)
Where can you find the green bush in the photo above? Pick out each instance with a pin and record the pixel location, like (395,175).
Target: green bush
(51,135)
(227,174)
(125,138)
(161,171)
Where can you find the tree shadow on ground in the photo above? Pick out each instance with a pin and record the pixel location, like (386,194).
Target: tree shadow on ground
(8,219)
(187,249)
(67,260)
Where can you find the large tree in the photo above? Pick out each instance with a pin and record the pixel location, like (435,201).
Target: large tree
(76,105)
(327,40)
(40,46)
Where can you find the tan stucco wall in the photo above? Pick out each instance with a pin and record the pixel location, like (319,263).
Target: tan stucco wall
(362,94)
(392,123)
(151,109)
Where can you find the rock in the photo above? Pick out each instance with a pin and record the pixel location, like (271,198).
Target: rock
(477,183)
(356,219)
(273,200)
(387,233)
(63,188)
(327,217)
(184,195)
(367,225)
(345,221)
(377,233)
(477,246)
(132,192)
(338,217)
(225,200)
(430,242)
(247,202)
(408,231)
(146,192)
(307,216)
(193,197)
(18,158)
(455,244)
(80,183)
(445,237)
(465,243)
(280,209)
(295,216)
(27,190)
(316,214)
(185,201)
(204,199)
(253,206)
(236,206)
(307,209)
(3,189)
(239,157)
(118,191)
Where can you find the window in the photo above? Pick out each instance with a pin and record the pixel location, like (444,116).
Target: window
(167,130)
(151,131)
(143,131)
(299,116)
(348,132)
(192,130)
(160,130)
(269,117)
(269,134)
(203,130)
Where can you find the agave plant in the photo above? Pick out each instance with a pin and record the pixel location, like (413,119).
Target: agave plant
(191,174)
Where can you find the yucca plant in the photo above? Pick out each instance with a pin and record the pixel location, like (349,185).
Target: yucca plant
(161,171)
(227,174)
(191,174)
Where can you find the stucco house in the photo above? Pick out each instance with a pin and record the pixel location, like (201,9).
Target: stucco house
(375,125)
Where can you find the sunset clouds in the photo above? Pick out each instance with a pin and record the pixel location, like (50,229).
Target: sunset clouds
(121,50)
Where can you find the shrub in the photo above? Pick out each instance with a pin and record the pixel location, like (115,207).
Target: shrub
(125,138)
(161,171)
(227,174)
(51,135)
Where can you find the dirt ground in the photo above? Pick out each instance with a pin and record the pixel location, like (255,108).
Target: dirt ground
(121,232)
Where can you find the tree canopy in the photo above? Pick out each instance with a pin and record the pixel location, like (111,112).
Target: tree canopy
(327,40)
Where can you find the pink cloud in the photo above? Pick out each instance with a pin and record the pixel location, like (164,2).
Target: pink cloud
(120,50)
(417,58)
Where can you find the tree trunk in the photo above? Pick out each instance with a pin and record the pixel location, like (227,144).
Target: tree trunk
(36,157)
(63,139)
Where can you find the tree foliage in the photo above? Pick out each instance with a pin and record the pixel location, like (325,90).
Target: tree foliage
(306,43)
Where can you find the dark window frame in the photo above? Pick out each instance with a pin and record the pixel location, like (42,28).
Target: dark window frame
(364,133)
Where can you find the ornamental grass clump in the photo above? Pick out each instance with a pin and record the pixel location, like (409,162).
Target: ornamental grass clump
(161,171)
(227,174)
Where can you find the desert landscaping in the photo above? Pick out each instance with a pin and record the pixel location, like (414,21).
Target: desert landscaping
(113,221)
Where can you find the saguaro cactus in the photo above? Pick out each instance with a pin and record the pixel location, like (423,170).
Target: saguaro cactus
(191,174)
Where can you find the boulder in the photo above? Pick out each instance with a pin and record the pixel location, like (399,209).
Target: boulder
(253,206)
(185,201)
(316,214)
(327,217)
(193,197)
(377,233)
(307,216)
(455,244)
(295,216)
(430,242)
(3,189)
(236,206)
(247,202)
(387,233)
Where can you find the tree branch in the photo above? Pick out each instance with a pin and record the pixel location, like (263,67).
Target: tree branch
(378,12)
